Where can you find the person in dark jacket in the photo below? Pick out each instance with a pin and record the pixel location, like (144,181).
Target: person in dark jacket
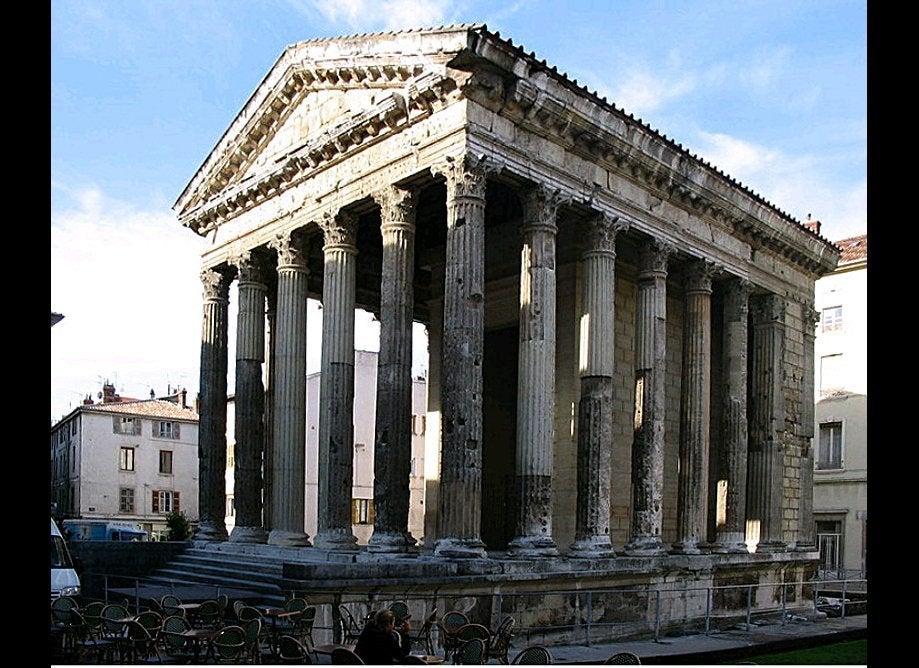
(381,643)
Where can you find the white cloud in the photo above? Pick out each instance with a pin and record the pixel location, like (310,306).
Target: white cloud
(126,281)
(369,15)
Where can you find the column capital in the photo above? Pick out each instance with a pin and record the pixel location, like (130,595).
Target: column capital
(769,309)
(654,255)
(249,267)
(602,230)
(811,315)
(466,175)
(699,274)
(398,206)
(339,230)
(540,206)
(216,284)
(291,248)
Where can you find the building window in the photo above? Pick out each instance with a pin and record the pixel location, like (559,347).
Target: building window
(126,425)
(126,500)
(362,511)
(231,455)
(163,429)
(831,319)
(832,374)
(73,427)
(165,501)
(829,540)
(231,506)
(829,449)
(419,423)
(126,459)
(166,462)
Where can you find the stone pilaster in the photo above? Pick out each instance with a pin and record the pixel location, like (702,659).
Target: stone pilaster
(249,403)
(212,415)
(767,423)
(695,409)
(268,420)
(650,393)
(733,462)
(536,377)
(595,410)
(806,540)
(336,385)
(393,441)
(463,348)
(288,456)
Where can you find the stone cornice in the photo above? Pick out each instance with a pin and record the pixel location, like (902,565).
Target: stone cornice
(547,103)
(214,196)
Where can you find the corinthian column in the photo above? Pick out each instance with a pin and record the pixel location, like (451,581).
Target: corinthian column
(764,466)
(393,444)
(336,384)
(536,377)
(212,416)
(806,540)
(695,409)
(288,454)
(250,402)
(463,347)
(595,407)
(650,392)
(733,460)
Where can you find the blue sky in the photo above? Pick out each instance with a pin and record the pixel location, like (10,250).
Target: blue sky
(774,93)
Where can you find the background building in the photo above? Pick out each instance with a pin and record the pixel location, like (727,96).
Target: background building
(841,441)
(126,460)
(365,369)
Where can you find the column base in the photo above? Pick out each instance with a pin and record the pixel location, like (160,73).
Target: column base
(285,538)
(803,547)
(394,543)
(771,547)
(532,546)
(595,547)
(687,547)
(645,546)
(336,540)
(729,548)
(211,531)
(460,548)
(248,535)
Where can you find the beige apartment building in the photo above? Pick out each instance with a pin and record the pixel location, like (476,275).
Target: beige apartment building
(841,444)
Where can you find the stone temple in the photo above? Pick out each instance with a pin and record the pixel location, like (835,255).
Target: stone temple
(621,335)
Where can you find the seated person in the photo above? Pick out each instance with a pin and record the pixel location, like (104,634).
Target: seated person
(381,643)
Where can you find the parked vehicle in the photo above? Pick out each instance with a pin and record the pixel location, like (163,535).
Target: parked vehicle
(103,530)
(64,578)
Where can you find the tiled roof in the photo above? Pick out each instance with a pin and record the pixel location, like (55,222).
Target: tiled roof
(147,408)
(853,249)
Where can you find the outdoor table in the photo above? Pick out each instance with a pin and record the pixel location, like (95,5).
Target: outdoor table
(328,649)
(431,659)
(190,610)
(199,637)
(274,614)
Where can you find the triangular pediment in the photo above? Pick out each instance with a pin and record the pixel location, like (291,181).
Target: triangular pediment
(320,97)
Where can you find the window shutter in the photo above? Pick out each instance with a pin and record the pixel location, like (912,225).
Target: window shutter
(175,502)
(156,502)
(371,515)
(354,514)
(137,428)
(175,434)
(115,422)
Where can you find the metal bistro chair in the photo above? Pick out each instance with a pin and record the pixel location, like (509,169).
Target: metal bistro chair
(399,609)
(172,643)
(470,631)
(424,635)
(473,651)
(170,605)
(230,645)
(501,642)
(139,645)
(209,615)
(449,625)
(350,631)
(292,651)
(621,658)
(535,654)
(342,656)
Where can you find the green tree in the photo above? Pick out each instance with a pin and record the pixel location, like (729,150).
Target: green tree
(179,528)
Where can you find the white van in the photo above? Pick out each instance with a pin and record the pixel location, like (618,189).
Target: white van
(64,579)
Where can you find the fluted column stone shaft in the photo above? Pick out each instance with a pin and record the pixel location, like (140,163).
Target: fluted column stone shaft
(595,409)
(249,403)
(268,420)
(733,460)
(212,416)
(650,394)
(767,423)
(288,456)
(695,410)
(463,348)
(536,377)
(336,385)
(806,540)
(393,440)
